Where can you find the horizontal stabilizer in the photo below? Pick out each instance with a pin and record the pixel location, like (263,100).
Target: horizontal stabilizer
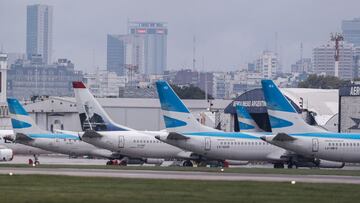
(283,137)
(176,136)
(91,134)
(22,138)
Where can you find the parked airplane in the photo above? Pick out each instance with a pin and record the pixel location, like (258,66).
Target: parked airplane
(187,133)
(294,134)
(9,148)
(28,133)
(293,158)
(103,132)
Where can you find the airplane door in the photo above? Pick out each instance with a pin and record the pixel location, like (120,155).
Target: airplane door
(315,145)
(207,143)
(121,141)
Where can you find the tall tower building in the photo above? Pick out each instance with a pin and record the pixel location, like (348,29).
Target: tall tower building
(3,78)
(324,60)
(39,32)
(124,51)
(153,41)
(267,64)
(116,54)
(4,112)
(351,31)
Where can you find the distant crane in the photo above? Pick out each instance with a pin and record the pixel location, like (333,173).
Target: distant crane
(337,37)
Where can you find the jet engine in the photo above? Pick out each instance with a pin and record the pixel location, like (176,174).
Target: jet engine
(6,154)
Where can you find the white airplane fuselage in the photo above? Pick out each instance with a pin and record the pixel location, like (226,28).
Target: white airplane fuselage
(66,144)
(136,144)
(329,146)
(233,146)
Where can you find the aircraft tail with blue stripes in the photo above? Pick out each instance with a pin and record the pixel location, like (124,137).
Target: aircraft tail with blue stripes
(21,121)
(283,116)
(246,122)
(176,115)
(92,115)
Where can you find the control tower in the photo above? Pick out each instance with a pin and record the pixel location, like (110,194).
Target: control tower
(4,113)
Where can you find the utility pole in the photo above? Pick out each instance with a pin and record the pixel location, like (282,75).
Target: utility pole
(301,57)
(337,37)
(194,54)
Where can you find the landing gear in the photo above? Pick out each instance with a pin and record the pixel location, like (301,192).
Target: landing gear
(36,160)
(112,162)
(278,165)
(188,163)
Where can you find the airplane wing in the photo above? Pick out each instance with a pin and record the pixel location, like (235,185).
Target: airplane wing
(283,137)
(176,136)
(91,134)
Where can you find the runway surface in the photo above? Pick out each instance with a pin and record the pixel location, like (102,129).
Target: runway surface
(182,175)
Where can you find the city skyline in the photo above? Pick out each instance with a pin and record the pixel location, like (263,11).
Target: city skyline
(228,35)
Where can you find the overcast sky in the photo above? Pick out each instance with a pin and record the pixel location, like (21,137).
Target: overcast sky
(229,33)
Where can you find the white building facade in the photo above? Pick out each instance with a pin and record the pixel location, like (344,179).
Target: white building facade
(268,64)
(324,60)
(104,83)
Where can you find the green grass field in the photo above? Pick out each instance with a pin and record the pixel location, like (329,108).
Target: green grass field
(39,188)
(314,171)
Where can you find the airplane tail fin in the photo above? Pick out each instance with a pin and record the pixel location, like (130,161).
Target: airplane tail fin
(176,115)
(283,116)
(92,115)
(21,121)
(246,122)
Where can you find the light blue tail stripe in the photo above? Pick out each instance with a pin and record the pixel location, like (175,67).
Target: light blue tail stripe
(244,126)
(16,124)
(173,123)
(242,112)
(279,123)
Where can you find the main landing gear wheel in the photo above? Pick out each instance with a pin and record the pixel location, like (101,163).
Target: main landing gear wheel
(278,165)
(188,163)
(36,160)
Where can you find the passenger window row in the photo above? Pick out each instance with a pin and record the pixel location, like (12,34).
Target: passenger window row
(244,143)
(147,141)
(344,144)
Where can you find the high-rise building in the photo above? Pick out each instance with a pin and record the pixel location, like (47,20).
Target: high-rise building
(324,60)
(116,54)
(267,64)
(302,66)
(152,38)
(125,52)
(351,31)
(39,31)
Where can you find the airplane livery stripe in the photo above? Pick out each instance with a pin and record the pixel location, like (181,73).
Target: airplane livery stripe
(54,136)
(328,135)
(222,134)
